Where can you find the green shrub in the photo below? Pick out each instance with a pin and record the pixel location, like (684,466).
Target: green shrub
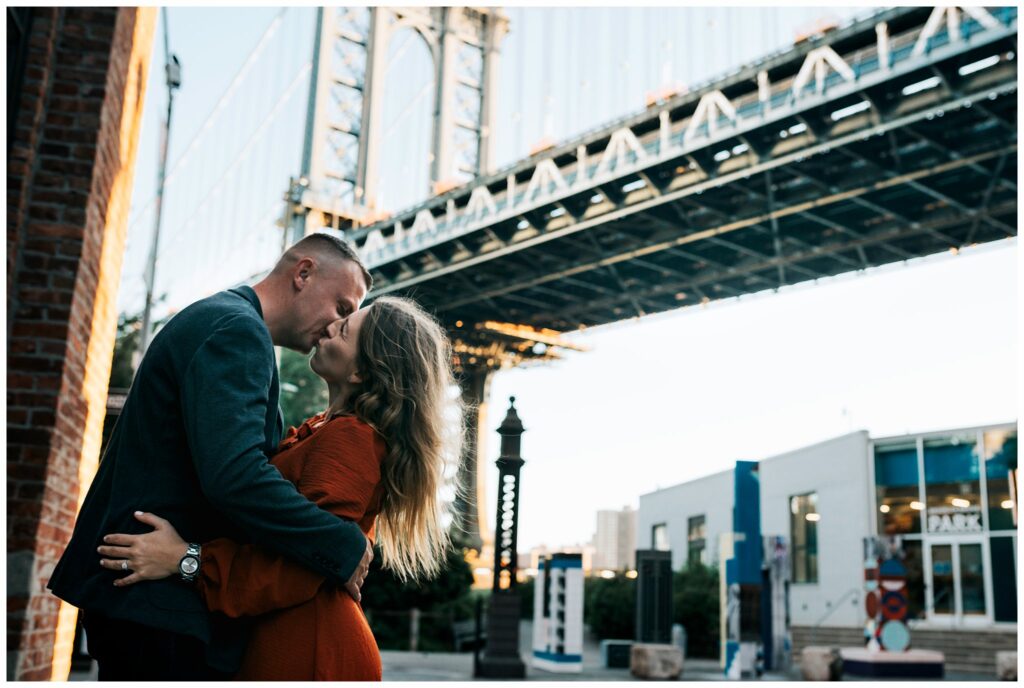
(526,592)
(441,601)
(695,606)
(609,606)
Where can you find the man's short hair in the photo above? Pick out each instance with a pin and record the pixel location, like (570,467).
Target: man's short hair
(325,244)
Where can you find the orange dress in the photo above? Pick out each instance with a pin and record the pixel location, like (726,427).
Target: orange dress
(306,630)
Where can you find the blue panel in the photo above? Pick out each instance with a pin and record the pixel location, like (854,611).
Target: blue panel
(746,519)
(896,468)
(552,657)
(950,464)
(566,563)
(732,649)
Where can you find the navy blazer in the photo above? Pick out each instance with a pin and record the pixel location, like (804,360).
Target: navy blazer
(191,446)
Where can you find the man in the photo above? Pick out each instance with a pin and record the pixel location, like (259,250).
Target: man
(191,444)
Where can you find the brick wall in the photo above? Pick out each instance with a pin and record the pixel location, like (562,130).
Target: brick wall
(68,187)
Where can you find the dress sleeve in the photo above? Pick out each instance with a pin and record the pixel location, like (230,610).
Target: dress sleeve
(339,474)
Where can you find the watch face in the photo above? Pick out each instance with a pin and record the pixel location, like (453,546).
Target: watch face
(189,565)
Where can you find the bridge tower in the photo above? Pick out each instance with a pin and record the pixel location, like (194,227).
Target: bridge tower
(337,188)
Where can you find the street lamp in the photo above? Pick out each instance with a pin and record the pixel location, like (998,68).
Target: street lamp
(501,657)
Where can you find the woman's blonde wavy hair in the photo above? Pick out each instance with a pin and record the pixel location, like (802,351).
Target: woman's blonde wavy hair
(404,358)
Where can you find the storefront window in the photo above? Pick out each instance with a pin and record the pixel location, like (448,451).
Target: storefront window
(695,540)
(943,600)
(1004,578)
(972,580)
(896,486)
(1000,460)
(803,533)
(952,485)
(914,564)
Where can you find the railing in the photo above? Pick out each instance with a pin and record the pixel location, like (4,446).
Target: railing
(749,107)
(833,606)
(862,62)
(443,631)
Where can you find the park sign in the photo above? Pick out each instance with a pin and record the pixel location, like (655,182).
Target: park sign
(954,520)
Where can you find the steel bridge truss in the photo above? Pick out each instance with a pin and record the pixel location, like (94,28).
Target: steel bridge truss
(337,187)
(889,139)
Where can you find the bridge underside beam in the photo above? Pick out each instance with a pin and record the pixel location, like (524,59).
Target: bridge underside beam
(911,172)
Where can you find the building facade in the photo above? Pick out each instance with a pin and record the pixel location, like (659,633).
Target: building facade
(680,518)
(950,496)
(75,90)
(615,540)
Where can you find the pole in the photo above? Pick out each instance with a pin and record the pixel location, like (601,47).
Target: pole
(172,69)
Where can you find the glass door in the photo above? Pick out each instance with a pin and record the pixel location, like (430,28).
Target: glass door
(957,592)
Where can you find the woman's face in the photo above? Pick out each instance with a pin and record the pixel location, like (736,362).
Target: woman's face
(335,356)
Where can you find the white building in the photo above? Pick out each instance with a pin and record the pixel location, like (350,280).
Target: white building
(528,561)
(615,539)
(679,519)
(947,494)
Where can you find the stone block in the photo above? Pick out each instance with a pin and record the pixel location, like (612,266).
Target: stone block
(1006,665)
(820,663)
(656,661)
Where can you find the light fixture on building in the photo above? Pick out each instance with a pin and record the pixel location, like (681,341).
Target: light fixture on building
(814,518)
(884,508)
(607,574)
(960,502)
(630,574)
(917,506)
(1006,504)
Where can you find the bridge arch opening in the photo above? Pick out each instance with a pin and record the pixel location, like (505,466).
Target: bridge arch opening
(407,120)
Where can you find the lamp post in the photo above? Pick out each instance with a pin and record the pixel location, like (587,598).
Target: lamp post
(172,69)
(501,657)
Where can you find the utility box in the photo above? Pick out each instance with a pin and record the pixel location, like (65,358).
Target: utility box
(653,596)
(558,614)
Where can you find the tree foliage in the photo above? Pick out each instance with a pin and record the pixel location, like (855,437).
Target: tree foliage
(695,605)
(441,601)
(610,607)
(303,393)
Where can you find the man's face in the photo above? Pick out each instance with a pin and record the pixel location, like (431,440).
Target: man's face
(333,289)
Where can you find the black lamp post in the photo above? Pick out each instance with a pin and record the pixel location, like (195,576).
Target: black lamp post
(501,657)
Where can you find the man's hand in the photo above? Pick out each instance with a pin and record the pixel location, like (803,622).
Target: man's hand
(150,556)
(356,581)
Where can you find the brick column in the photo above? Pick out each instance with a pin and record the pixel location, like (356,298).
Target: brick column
(69,178)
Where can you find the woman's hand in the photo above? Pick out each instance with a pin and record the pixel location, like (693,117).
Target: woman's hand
(149,556)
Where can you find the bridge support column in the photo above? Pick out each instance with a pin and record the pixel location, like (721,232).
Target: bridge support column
(469,507)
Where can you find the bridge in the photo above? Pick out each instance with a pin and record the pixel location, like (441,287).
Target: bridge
(891,139)
(883,140)
(887,140)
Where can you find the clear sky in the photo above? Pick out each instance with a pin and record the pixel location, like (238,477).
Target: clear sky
(658,400)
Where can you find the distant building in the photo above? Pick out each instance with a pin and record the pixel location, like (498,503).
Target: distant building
(528,561)
(615,540)
(950,496)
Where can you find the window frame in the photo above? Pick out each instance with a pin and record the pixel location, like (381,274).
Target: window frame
(804,550)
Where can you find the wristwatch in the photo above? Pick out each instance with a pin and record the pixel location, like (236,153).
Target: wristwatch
(188,567)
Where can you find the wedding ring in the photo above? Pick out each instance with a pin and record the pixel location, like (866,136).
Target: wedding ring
(124,565)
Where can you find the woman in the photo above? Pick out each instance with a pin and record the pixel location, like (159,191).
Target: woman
(376,456)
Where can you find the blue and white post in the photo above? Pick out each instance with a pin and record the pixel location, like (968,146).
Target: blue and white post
(743,575)
(558,614)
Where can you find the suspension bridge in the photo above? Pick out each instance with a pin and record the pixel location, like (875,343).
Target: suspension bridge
(887,138)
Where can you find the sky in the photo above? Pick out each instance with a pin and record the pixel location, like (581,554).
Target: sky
(655,401)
